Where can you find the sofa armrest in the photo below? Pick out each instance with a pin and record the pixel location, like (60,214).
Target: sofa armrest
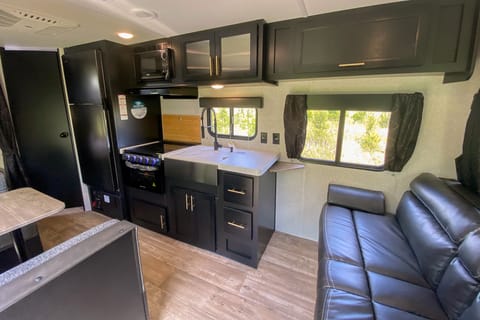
(356,198)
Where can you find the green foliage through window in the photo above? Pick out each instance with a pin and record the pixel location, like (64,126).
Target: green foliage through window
(361,136)
(235,123)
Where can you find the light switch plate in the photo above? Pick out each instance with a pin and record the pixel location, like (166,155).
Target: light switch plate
(263,137)
(276,138)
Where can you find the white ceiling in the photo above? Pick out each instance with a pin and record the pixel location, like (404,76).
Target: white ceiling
(102,19)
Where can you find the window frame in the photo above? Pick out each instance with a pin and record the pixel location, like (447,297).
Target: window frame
(348,102)
(232,136)
(231,103)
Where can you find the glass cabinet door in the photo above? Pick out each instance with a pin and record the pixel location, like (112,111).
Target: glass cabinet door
(198,62)
(236,52)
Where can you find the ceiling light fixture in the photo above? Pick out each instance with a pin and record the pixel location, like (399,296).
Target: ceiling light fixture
(217,86)
(125,35)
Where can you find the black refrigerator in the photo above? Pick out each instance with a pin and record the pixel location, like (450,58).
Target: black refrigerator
(105,119)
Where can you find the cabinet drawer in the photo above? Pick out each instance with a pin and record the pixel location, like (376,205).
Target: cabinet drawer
(238,189)
(238,223)
(149,215)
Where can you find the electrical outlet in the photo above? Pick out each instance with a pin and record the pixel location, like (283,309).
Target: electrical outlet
(276,138)
(263,137)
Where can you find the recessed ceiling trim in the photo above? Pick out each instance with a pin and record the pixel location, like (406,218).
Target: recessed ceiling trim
(302,7)
(7,19)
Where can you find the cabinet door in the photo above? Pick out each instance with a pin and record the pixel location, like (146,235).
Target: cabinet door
(452,32)
(197,52)
(194,217)
(280,48)
(203,208)
(368,38)
(236,51)
(185,221)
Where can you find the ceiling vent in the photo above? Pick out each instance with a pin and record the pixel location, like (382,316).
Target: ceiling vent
(24,19)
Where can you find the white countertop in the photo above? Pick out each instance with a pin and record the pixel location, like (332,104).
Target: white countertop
(250,162)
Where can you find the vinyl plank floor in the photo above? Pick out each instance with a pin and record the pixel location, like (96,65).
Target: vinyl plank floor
(185,282)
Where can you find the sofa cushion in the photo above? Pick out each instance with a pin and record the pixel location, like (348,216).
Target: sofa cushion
(473,311)
(385,249)
(337,240)
(456,216)
(460,283)
(432,247)
(338,304)
(386,312)
(469,253)
(405,296)
(342,276)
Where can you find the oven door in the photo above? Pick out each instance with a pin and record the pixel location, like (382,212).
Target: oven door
(145,177)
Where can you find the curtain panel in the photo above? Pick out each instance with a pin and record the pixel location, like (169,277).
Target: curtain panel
(14,173)
(405,120)
(468,163)
(295,124)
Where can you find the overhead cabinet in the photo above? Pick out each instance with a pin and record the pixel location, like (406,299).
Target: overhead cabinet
(410,36)
(223,54)
(368,38)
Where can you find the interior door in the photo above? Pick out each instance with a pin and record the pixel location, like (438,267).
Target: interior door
(37,103)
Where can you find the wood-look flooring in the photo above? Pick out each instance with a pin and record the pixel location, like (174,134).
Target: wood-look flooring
(185,282)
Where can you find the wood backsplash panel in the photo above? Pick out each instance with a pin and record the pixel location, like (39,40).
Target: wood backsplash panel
(181,128)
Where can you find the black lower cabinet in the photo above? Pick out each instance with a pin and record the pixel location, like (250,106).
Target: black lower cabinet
(245,216)
(193,214)
(148,209)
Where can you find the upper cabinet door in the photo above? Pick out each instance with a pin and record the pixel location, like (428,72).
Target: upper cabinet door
(374,37)
(236,52)
(228,54)
(84,77)
(198,52)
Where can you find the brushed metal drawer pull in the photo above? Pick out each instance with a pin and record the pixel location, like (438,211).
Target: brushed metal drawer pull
(217,66)
(354,64)
(236,191)
(210,63)
(236,225)
(162,222)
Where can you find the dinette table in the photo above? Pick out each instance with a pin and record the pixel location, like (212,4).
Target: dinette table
(22,207)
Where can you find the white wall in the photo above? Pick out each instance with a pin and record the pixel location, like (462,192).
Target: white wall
(301,193)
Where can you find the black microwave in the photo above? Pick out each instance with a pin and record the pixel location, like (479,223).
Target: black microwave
(154,65)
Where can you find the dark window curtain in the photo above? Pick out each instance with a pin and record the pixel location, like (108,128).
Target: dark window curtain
(14,172)
(468,164)
(403,130)
(295,123)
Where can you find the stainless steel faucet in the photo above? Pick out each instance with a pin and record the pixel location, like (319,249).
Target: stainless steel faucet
(216,145)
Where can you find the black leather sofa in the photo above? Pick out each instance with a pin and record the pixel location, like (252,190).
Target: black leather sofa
(421,263)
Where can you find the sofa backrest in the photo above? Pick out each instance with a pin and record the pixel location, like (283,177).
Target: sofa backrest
(95,275)
(441,227)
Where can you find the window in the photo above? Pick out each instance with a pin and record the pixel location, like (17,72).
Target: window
(236,117)
(347,130)
(234,123)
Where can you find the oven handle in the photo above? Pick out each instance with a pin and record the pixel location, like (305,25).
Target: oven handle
(141,167)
